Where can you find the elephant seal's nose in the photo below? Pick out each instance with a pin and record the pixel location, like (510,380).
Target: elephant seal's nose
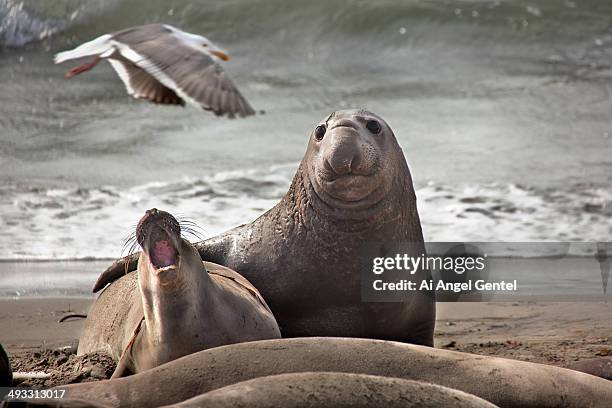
(343,155)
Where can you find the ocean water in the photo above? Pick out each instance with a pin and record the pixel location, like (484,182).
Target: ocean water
(502,108)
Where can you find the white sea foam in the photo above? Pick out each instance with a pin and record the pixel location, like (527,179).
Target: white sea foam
(513,213)
(38,223)
(82,223)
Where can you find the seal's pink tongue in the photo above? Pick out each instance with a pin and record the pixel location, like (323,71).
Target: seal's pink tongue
(163,254)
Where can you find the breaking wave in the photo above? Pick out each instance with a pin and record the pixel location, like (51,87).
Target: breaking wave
(41,223)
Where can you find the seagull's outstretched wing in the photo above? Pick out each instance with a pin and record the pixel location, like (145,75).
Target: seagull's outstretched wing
(157,64)
(191,73)
(141,85)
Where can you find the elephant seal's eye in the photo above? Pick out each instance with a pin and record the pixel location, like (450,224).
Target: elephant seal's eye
(373,126)
(320,132)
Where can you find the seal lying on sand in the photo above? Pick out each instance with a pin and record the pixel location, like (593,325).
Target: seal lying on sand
(305,255)
(315,390)
(178,309)
(503,382)
(601,367)
(6,375)
(334,390)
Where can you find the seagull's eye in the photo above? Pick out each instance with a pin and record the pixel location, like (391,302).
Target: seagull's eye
(204,45)
(373,126)
(320,132)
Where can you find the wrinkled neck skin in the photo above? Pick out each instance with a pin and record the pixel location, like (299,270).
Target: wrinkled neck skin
(304,216)
(174,302)
(392,216)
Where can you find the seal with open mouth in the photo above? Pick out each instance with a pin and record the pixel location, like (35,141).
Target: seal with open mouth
(181,306)
(352,189)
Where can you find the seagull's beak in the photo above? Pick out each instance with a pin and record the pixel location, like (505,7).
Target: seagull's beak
(221,55)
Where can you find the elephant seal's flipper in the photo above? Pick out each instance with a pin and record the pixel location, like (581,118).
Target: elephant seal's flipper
(118,269)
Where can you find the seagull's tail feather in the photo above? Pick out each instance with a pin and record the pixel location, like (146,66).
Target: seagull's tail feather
(98,46)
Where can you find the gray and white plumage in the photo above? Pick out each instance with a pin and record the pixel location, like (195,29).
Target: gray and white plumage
(165,65)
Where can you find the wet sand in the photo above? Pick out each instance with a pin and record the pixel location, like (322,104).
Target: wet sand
(31,324)
(551,333)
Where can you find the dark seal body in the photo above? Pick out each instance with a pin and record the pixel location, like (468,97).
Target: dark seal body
(353,188)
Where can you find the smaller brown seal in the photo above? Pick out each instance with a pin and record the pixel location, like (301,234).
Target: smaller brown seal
(334,390)
(178,309)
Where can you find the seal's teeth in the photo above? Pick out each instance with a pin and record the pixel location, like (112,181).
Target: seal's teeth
(165,268)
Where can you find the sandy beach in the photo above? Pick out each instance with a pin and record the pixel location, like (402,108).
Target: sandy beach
(552,333)
(31,324)
(36,341)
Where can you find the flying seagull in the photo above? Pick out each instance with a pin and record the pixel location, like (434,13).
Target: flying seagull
(165,65)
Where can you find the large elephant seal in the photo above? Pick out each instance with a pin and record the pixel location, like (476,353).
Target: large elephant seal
(178,308)
(6,375)
(333,390)
(503,382)
(353,187)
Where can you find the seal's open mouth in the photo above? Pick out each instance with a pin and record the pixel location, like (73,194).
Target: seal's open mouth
(163,255)
(159,235)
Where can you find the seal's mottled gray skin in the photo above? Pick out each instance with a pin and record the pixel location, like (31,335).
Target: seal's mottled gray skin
(187,307)
(353,187)
(334,390)
(503,382)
